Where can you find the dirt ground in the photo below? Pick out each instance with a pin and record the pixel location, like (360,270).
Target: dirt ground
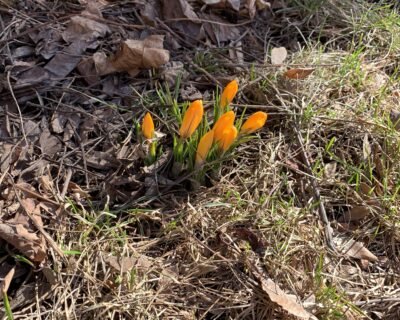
(300,221)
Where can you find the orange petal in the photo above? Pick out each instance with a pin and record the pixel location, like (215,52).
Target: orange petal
(191,119)
(204,147)
(148,126)
(226,120)
(254,122)
(228,94)
(229,135)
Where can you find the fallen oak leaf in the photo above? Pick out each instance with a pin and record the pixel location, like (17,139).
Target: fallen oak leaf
(133,56)
(298,73)
(277,295)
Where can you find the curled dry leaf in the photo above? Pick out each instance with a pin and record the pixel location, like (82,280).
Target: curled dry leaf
(278,55)
(298,73)
(355,249)
(133,56)
(277,295)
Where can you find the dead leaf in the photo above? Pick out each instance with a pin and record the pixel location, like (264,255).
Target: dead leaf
(133,56)
(6,282)
(149,12)
(262,5)
(330,170)
(87,69)
(220,31)
(125,264)
(77,190)
(172,70)
(355,213)
(234,4)
(175,10)
(277,295)
(49,144)
(24,240)
(355,249)
(66,60)
(278,55)
(101,160)
(251,8)
(366,148)
(298,73)
(84,28)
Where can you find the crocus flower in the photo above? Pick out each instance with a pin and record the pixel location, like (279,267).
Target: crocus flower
(254,122)
(148,126)
(226,120)
(204,147)
(228,94)
(191,119)
(226,137)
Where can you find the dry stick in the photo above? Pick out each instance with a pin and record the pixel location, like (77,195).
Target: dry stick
(317,194)
(19,109)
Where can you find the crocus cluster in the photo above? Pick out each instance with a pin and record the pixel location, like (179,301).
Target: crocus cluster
(223,133)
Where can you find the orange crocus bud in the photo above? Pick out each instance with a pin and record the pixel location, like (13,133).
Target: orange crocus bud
(254,122)
(191,119)
(226,120)
(228,94)
(204,147)
(226,138)
(148,126)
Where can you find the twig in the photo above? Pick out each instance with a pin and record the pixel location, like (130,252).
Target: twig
(19,109)
(317,194)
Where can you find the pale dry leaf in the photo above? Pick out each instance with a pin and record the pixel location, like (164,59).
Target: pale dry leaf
(278,55)
(125,264)
(366,148)
(355,213)
(330,170)
(234,4)
(298,73)
(76,189)
(84,28)
(251,8)
(355,249)
(277,295)
(262,5)
(133,56)
(6,282)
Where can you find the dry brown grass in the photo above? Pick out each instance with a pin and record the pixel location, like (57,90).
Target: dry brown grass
(187,255)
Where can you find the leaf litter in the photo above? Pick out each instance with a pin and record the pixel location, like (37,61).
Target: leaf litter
(79,78)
